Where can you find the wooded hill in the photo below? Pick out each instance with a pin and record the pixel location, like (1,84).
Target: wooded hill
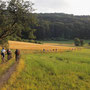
(60,26)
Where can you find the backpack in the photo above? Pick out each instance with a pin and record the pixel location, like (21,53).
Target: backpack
(8,52)
(2,51)
(17,52)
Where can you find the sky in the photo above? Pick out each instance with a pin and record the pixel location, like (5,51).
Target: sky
(76,7)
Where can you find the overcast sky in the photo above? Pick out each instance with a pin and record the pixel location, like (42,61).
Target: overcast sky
(77,7)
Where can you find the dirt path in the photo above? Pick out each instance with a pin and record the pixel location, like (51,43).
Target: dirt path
(7,75)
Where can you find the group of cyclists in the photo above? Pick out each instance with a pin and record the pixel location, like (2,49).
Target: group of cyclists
(8,52)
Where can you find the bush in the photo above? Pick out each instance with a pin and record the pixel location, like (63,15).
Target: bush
(32,41)
(38,42)
(89,44)
(77,42)
(81,42)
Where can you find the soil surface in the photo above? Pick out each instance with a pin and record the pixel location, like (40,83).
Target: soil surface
(4,78)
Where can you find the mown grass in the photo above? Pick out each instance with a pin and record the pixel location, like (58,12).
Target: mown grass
(65,42)
(54,71)
(60,42)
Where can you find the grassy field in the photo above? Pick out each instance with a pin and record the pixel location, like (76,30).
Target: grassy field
(53,71)
(60,42)
(64,42)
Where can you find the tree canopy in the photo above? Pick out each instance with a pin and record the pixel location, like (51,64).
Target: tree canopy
(16,15)
(59,26)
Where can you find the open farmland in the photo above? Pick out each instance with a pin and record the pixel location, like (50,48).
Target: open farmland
(40,47)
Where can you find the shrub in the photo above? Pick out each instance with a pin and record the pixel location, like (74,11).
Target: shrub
(81,42)
(77,42)
(32,41)
(89,43)
(38,42)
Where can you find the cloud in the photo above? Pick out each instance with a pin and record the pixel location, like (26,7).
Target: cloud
(79,7)
(49,5)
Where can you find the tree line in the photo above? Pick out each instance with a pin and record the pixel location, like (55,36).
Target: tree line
(60,26)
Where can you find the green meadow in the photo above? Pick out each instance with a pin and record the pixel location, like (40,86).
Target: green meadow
(68,70)
(65,42)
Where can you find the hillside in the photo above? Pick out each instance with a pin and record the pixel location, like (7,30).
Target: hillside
(60,26)
(55,26)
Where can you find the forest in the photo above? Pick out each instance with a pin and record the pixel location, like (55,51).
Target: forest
(60,26)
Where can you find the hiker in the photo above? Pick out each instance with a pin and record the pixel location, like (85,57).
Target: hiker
(3,51)
(9,54)
(43,50)
(17,54)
